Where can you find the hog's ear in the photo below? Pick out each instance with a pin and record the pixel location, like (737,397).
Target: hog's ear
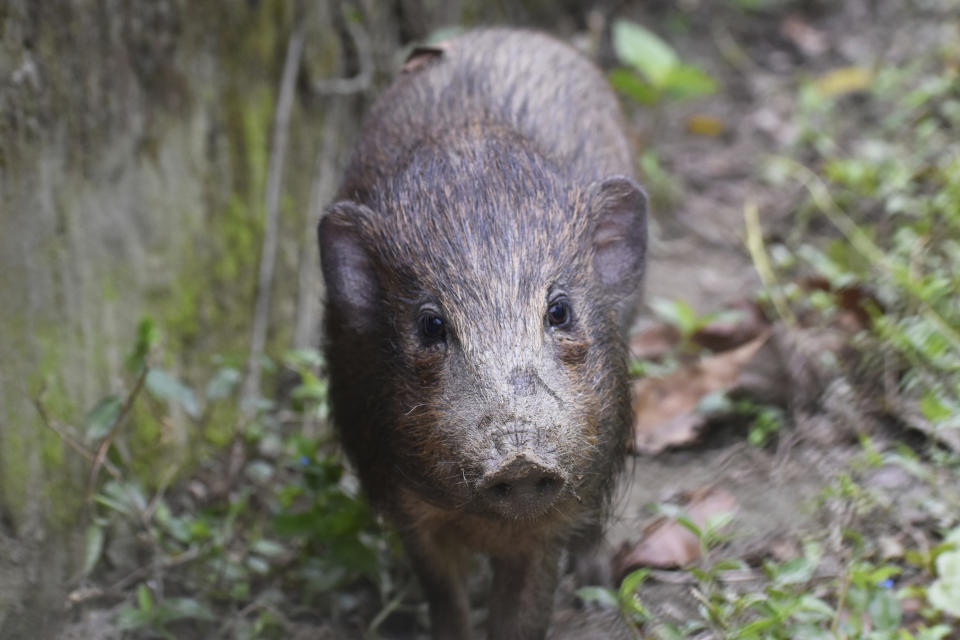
(353,288)
(618,208)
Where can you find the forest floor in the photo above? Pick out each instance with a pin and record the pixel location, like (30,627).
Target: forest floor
(773,429)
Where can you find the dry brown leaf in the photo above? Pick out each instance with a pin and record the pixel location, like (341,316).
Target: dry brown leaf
(723,334)
(665,409)
(667,544)
(704,125)
(854,303)
(783,549)
(809,40)
(843,80)
(654,341)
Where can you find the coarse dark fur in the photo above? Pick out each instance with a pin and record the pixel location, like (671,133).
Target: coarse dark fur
(492,183)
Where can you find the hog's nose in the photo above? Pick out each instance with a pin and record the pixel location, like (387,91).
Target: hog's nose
(521,488)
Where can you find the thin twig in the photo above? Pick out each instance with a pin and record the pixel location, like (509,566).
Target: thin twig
(358,83)
(268,254)
(388,608)
(66,437)
(761,262)
(101,454)
(168,562)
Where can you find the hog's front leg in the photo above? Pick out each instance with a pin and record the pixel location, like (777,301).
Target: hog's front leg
(521,598)
(442,568)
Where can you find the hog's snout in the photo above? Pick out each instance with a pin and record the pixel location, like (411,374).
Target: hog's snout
(521,488)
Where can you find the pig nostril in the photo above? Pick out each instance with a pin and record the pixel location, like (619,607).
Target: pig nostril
(546,485)
(501,490)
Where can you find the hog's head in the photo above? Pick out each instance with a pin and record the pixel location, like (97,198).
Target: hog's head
(476,308)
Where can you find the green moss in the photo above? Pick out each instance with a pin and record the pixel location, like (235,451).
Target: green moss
(26,437)
(108,288)
(14,462)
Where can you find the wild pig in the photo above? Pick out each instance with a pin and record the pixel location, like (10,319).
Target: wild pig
(482,263)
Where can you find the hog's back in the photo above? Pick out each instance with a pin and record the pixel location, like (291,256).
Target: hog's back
(521,81)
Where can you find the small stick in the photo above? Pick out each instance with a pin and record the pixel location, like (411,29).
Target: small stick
(281,126)
(66,437)
(101,455)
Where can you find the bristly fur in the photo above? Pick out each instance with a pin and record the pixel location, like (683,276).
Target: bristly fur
(491,180)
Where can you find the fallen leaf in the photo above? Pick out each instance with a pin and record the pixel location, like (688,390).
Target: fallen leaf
(843,80)
(854,303)
(809,40)
(891,547)
(654,341)
(783,549)
(703,125)
(665,409)
(667,544)
(728,331)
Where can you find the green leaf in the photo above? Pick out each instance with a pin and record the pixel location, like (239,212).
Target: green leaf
(643,50)
(102,417)
(687,81)
(144,599)
(258,565)
(629,585)
(222,384)
(189,608)
(131,618)
(148,336)
(303,358)
(123,497)
(165,387)
(884,610)
(727,565)
(944,593)
(268,548)
(688,524)
(629,83)
(933,409)
(937,632)
(814,609)
(678,313)
(606,598)
(93,548)
(444,33)
(714,403)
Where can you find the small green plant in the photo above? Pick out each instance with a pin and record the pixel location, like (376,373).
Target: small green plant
(157,616)
(686,320)
(289,524)
(944,593)
(766,420)
(624,599)
(654,71)
(890,192)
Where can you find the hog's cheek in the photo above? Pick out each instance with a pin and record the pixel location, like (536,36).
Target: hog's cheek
(427,432)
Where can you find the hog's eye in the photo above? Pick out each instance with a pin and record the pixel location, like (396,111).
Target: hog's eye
(558,313)
(432,327)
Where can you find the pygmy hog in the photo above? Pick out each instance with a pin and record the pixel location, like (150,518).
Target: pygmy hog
(482,263)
